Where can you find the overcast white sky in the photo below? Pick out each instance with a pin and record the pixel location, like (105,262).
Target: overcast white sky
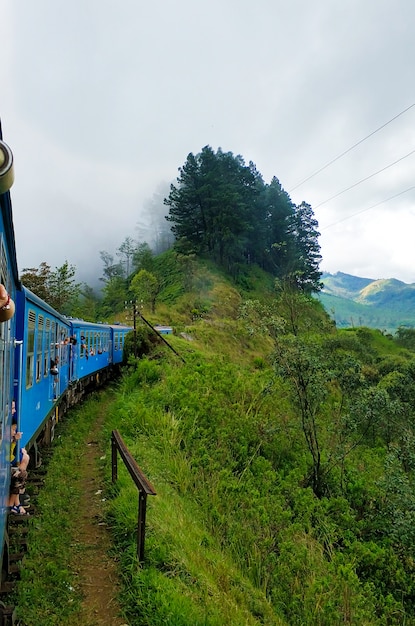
(102,101)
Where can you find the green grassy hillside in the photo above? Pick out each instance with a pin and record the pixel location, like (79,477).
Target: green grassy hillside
(281,450)
(289,438)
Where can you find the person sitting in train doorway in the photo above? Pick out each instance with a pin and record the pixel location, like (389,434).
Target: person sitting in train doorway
(6,305)
(17,484)
(18,477)
(18,471)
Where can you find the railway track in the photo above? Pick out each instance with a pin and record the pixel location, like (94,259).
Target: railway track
(95,575)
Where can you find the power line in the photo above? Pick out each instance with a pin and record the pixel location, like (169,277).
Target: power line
(369,208)
(350,149)
(364,179)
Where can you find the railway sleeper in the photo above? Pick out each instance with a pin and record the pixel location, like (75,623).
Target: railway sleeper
(7,615)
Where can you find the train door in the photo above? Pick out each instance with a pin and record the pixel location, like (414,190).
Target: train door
(54,362)
(73,357)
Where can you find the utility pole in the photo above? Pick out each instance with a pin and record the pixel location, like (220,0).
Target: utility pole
(133,304)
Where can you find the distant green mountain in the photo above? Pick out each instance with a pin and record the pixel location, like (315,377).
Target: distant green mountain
(353,301)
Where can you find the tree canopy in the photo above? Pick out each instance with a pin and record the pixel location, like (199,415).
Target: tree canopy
(222,207)
(57,287)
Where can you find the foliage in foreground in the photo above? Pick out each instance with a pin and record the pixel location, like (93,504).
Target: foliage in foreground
(281,451)
(302,474)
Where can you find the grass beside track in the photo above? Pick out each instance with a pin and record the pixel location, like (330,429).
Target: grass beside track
(186,580)
(52,590)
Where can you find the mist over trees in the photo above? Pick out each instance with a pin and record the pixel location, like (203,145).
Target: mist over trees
(219,208)
(222,208)
(152,227)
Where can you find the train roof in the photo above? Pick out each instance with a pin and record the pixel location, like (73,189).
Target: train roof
(32,297)
(76,321)
(120,327)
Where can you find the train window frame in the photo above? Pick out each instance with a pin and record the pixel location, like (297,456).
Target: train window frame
(63,347)
(100,342)
(82,348)
(46,357)
(39,346)
(30,347)
(52,343)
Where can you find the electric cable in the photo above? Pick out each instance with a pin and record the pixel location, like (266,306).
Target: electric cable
(350,149)
(364,179)
(368,208)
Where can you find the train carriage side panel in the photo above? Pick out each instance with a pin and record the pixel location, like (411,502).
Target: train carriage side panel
(44,362)
(92,348)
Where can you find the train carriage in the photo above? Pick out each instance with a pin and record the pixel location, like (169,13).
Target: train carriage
(43,362)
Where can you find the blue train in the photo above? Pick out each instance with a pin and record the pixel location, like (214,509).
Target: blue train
(47,361)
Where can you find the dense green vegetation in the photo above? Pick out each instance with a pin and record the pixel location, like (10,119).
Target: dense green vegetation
(222,208)
(280,446)
(295,441)
(282,452)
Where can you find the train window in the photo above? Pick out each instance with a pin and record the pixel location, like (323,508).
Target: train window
(30,350)
(39,347)
(54,353)
(100,342)
(63,346)
(46,353)
(83,346)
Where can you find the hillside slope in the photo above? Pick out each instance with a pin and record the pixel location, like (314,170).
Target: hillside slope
(281,451)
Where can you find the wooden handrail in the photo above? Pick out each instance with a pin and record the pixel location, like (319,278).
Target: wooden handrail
(144,486)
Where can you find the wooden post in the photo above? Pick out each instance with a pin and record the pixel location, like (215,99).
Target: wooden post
(141,528)
(114,459)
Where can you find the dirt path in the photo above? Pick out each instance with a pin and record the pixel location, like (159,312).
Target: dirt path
(96,570)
